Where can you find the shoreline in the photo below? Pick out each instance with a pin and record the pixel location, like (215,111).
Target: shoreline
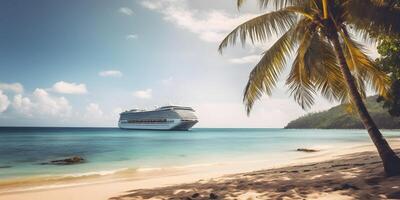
(111,186)
(103,176)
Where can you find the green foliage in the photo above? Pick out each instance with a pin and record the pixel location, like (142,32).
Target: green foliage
(389,62)
(338,118)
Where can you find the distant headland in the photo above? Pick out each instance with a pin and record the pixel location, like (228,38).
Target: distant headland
(338,118)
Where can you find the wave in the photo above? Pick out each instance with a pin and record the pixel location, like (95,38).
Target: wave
(98,173)
(57,181)
(85,178)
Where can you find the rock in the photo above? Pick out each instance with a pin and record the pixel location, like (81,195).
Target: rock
(213,196)
(195,195)
(307,150)
(67,161)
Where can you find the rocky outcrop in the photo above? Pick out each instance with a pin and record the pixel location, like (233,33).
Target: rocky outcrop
(307,150)
(67,161)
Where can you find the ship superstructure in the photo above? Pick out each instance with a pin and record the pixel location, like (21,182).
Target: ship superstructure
(162,118)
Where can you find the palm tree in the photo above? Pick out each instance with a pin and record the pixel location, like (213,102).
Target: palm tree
(327,59)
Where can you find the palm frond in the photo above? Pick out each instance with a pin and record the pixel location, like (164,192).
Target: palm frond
(373,17)
(362,67)
(358,75)
(315,68)
(325,73)
(302,10)
(277,4)
(299,81)
(265,74)
(261,28)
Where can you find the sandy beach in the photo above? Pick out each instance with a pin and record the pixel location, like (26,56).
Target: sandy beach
(354,176)
(348,173)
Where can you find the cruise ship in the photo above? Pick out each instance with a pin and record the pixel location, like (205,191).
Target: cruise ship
(162,118)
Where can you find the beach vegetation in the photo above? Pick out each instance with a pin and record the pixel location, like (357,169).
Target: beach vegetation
(337,117)
(389,62)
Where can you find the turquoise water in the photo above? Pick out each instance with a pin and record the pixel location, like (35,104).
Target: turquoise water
(23,149)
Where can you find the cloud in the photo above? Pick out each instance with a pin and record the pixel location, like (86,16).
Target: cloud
(246,59)
(110,73)
(54,106)
(41,104)
(143,94)
(22,104)
(15,87)
(125,11)
(4,102)
(152,5)
(210,25)
(69,88)
(132,37)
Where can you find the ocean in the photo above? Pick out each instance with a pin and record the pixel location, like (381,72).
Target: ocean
(107,150)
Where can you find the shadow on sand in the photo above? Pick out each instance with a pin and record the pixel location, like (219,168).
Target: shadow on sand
(354,176)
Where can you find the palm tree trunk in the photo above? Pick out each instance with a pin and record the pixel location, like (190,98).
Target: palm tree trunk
(391,162)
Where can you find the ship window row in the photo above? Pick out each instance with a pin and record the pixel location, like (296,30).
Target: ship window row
(148,121)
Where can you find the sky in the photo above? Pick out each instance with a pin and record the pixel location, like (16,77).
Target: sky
(81,63)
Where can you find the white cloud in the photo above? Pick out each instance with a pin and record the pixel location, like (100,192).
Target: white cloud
(42,104)
(15,87)
(69,88)
(132,37)
(110,73)
(246,59)
(210,25)
(22,104)
(143,94)
(49,105)
(125,11)
(152,5)
(4,102)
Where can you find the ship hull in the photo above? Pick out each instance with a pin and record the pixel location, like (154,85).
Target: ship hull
(172,125)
